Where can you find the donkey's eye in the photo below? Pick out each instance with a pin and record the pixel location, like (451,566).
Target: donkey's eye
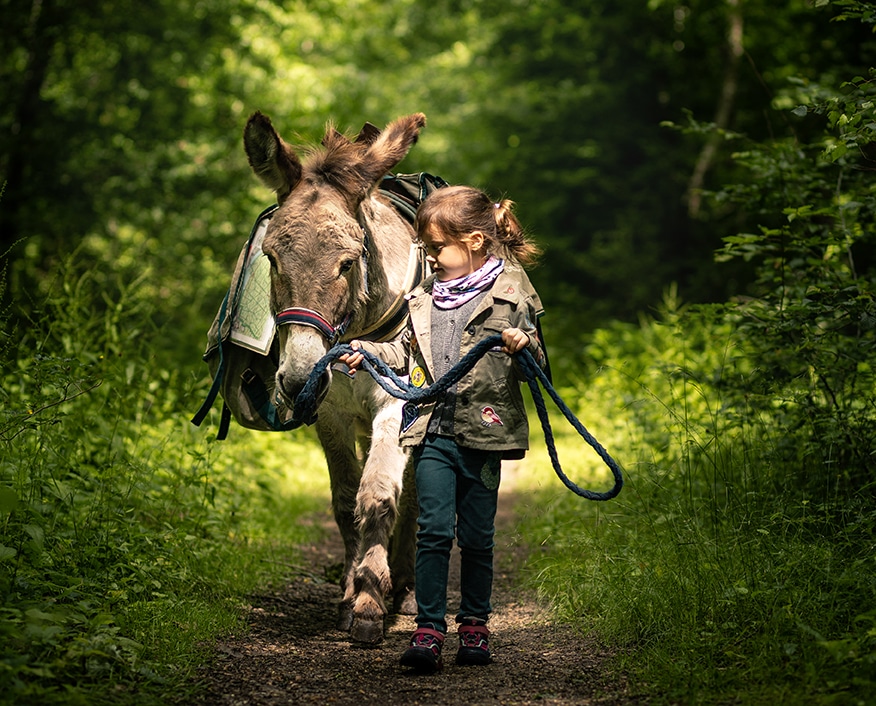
(346,265)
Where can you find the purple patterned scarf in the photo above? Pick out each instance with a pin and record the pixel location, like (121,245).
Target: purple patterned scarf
(456,292)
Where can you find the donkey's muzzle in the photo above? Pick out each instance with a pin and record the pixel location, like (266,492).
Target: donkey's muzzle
(291,389)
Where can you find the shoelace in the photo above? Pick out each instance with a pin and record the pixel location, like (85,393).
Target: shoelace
(430,642)
(471,638)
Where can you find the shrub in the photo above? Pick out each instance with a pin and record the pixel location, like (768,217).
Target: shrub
(127,538)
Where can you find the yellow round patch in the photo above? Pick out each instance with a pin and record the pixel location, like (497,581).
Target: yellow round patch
(418,377)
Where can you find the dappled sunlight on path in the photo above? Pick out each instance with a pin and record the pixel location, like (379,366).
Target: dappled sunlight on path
(292,652)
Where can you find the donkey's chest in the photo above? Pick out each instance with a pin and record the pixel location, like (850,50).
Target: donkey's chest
(359,399)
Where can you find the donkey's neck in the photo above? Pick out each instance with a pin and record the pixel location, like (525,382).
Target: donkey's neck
(389,248)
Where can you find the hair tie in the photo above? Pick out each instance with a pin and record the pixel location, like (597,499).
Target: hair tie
(495,205)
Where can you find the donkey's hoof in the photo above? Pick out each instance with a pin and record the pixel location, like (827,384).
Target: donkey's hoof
(368,632)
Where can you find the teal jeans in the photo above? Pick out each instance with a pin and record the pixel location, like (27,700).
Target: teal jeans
(457,491)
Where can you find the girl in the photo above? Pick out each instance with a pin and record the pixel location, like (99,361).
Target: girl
(476,249)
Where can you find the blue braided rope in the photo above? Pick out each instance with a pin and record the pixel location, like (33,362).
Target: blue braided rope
(306,402)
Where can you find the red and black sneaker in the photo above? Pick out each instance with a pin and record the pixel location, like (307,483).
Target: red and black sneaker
(474,643)
(424,653)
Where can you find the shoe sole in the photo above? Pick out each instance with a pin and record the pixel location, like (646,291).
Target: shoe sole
(473,657)
(420,659)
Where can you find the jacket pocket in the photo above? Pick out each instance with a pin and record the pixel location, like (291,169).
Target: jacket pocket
(494,326)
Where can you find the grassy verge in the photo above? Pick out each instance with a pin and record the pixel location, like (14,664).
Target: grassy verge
(128,538)
(714,576)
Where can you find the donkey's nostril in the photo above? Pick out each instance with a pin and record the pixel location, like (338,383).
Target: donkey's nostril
(287,386)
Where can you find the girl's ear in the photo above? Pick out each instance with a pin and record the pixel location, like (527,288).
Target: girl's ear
(475,240)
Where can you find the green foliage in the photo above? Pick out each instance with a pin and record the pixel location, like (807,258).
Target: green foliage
(737,566)
(577,94)
(120,125)
(812,317)
(738,563)
(126,539)
(713,578)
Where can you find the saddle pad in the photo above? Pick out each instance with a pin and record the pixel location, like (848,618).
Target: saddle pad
(252,325)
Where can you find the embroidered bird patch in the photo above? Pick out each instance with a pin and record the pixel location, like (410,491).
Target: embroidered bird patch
(490,418)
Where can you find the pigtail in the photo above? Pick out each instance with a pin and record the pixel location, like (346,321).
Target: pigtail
(511,235)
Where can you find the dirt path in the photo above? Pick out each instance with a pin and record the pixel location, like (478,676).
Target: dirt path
(292,653)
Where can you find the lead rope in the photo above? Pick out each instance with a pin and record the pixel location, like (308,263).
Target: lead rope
(306,402)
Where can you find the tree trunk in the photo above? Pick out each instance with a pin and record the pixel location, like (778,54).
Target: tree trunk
(42,33)
(735,51)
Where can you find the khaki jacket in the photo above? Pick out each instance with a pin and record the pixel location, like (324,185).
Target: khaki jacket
(489,412)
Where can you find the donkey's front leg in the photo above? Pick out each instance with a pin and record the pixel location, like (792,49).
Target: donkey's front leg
(403,547)
(339,444)
(377,507)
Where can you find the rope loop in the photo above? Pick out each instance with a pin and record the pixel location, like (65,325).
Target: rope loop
(304,410)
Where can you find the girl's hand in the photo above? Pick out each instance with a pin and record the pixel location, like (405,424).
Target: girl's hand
(513,340)
(353,360)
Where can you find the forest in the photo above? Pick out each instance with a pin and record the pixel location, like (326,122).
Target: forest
(699,175)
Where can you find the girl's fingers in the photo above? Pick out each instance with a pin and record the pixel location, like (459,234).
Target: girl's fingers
(513,340)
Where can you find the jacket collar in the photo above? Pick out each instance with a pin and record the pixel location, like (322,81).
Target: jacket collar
(506,287)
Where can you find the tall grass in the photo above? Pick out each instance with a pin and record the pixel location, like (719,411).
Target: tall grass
(128,538)
(714,576)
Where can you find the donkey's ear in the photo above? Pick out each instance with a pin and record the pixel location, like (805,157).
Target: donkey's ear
(272,159)
(390,146)
(368,134)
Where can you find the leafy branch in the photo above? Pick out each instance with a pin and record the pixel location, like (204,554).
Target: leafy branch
(23,420)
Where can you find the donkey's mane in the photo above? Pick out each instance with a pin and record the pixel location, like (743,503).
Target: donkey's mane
(333,163)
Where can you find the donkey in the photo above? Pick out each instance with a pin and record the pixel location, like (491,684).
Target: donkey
(341,258)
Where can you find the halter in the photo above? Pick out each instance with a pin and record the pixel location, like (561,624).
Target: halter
(309,317)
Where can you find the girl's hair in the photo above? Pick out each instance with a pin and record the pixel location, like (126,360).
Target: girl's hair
(457,211)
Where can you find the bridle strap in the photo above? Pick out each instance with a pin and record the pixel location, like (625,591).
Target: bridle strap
(309,317)
(393,320)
